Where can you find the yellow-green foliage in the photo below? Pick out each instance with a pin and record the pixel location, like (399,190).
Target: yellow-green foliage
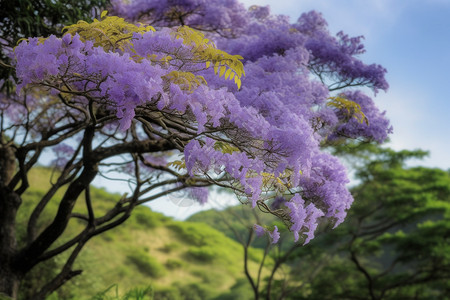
(280,183)
(205,50)
(186,80)
(178,164)
(270,182)
(111,33)
(351,108)
(225,147)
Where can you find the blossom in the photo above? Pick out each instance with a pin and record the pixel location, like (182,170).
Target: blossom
(200,194)
(274,235)
(259,230)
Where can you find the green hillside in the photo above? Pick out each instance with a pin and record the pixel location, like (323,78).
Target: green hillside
(180,260)
(235,222)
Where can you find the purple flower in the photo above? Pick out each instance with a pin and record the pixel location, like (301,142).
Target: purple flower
(377,127)
(259,230)
(278,203)
(200,194)
(274,235)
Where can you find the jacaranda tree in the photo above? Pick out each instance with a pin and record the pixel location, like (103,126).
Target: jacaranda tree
(204,93)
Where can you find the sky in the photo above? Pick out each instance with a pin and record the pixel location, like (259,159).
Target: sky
(411,39)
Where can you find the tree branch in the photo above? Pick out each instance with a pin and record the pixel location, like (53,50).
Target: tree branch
(29,256)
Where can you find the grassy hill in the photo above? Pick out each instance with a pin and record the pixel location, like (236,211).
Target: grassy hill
(235,222)
(180,260)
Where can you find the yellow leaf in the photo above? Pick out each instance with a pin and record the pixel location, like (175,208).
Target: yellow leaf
(227,73)
(352,108)
(202,79)
(110,33)
(216,67)
(104,13)
(237,80)
(21,39)
(204,50)
(178,164)
(222,70)
(225,147)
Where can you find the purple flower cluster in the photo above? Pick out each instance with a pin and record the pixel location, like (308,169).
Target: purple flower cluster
(209,15)
(304,218)
(201,159)
(274,124)
(274,235)
(326,187)
(336,56)
(377,127)
(200,194)
(104,75)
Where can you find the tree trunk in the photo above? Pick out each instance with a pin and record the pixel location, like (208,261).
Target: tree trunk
(9,277)
(9,204)
(9,284)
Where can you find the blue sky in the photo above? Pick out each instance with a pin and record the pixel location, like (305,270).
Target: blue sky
(411,39)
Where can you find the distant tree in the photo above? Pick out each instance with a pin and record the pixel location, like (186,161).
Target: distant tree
(394,243)
(169,111)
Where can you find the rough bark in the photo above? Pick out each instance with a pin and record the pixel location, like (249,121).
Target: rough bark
(9,279)
(7,164)
(9,204)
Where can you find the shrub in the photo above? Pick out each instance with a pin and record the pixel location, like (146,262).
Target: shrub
(133,294)
(189,233)
(192,291)
(240,290)
(108,236)
(195,291)
(197,234)
(174,264)
(169,247)
(204,254)
(168,293)
(146,264)
(145,218)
